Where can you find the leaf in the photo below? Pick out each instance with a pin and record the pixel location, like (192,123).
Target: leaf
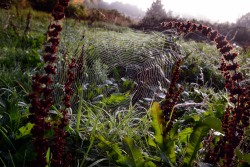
(242,156)
(170,150)
(48,156)
(150,164)
(24,130)
(134,152)
(239,154)
(151,142)
(157,120)
(165,159)
(184,134)
(194,144)
(166,143)
(173,134)
(246,158)
(114,98)
(115,150)
(196,117)
(213,122)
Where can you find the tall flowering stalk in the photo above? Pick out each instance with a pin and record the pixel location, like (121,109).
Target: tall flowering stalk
(59,158)
(171,99)
(236,117)
(41,97)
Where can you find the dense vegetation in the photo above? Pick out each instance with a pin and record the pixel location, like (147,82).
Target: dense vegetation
(71,97)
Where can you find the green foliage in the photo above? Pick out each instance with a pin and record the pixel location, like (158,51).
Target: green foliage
(133,156)
(127,85)
(24,130)
(184,135)
(113,150)
(76,11)
(194,144)
(157,123)
(115,99)
(200,65)
(20,48)
(190,138)
(14,134)
(243,157)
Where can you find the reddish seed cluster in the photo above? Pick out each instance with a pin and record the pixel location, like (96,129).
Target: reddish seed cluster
(235,118)
(58,148)
(67,88)
(171,98)
(41,98)
(41,101)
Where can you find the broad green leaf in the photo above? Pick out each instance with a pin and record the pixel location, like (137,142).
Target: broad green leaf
(194,144)
(24,130)
(48,157)
(115,99)
(125,161)
(149,164)
(213,122)
(107,143)
(151,142)
(239,154)
(196,117)
(134,152)
(157,120)
(184,134)
(165,159)
(170,150)
(246,158)
(173,134)
(115,153)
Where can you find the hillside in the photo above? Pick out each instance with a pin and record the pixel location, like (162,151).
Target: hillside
(127,9)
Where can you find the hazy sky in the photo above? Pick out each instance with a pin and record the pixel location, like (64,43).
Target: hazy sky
(215,10)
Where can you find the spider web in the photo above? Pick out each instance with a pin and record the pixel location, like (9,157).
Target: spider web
(147,59)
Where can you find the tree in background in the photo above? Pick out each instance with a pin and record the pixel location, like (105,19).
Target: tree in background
(244,21)
(43,5)
(6,4)
(155,14)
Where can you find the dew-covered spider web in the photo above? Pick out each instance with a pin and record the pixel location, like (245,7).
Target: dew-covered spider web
(146,59)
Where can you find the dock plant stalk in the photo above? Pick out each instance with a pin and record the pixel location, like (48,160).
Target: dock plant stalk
(41,100)
(236,117)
